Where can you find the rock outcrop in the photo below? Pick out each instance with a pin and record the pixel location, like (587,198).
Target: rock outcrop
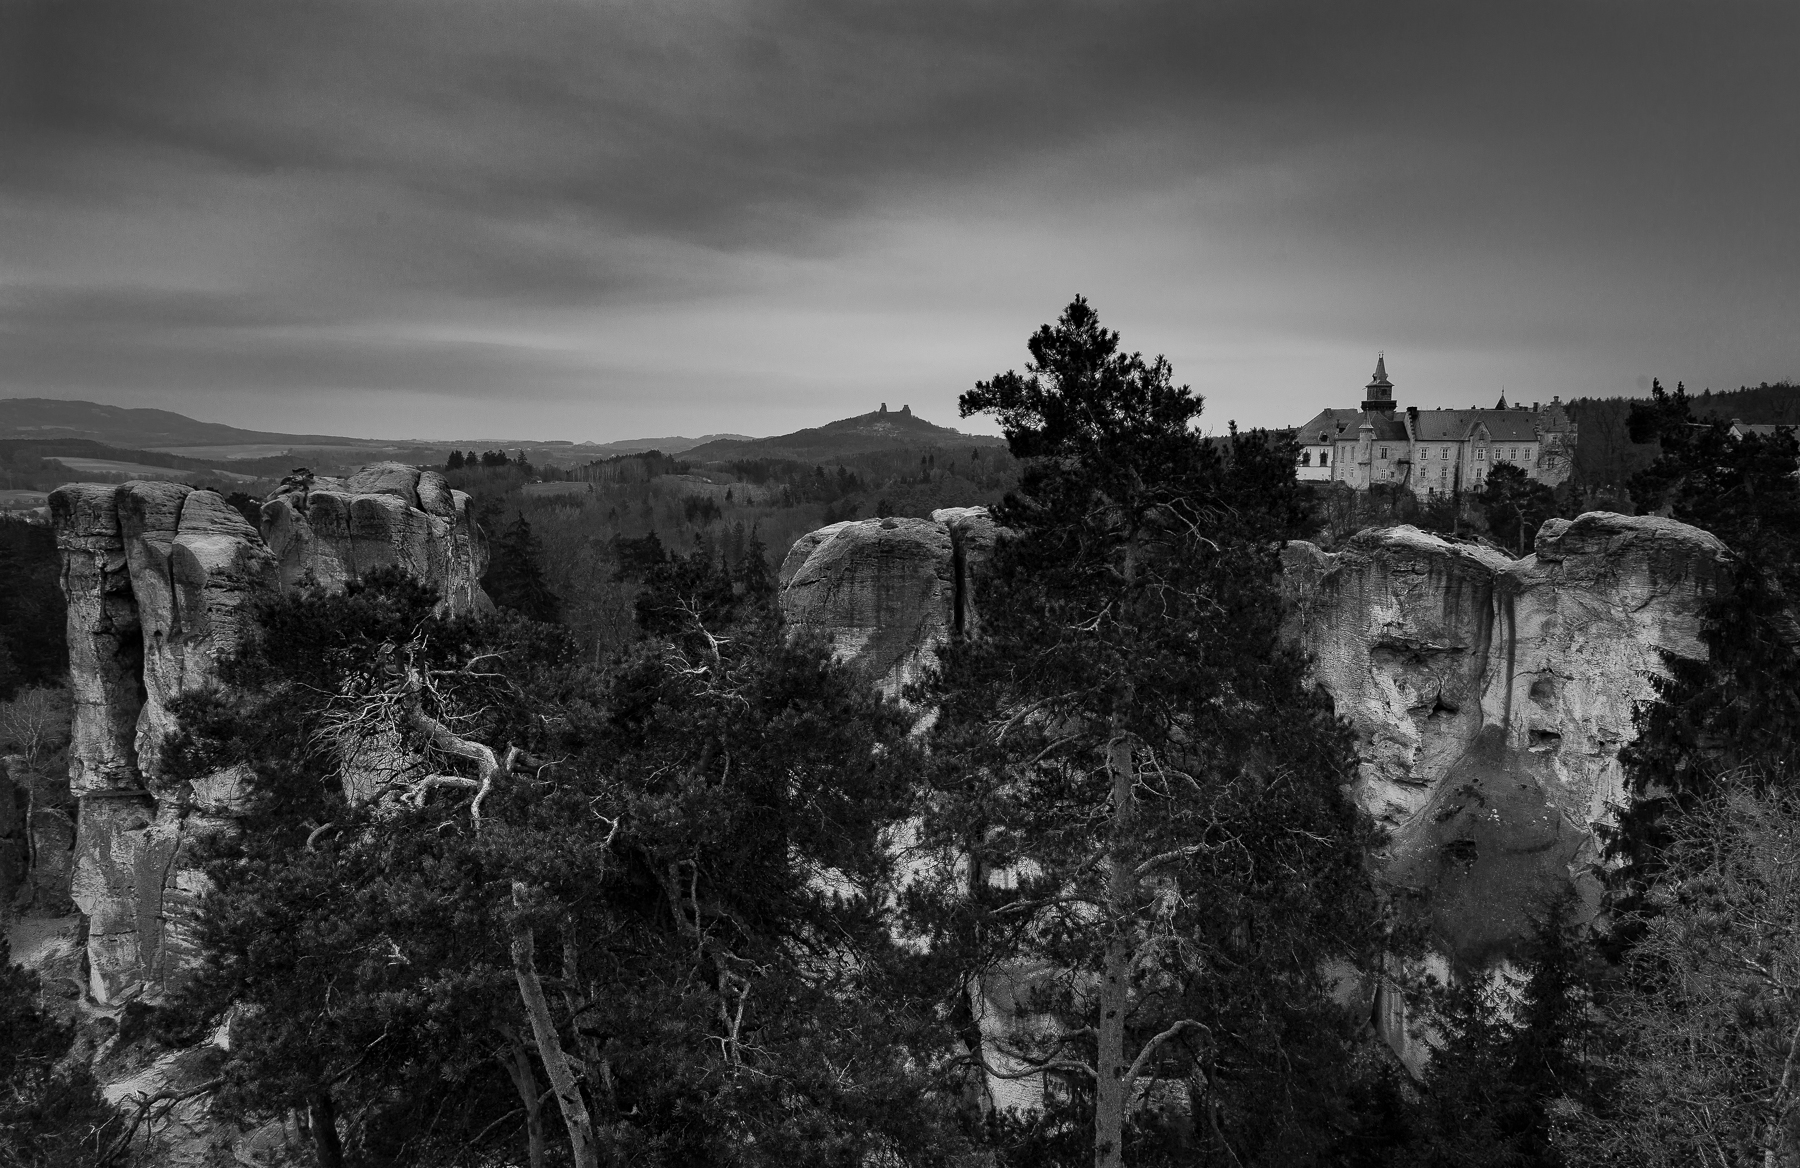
(162,581)
(888,591)
(1490,696)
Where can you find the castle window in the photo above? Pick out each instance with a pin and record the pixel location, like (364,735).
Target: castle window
(1513,453)
(1324,458)
(1528,453)
(1384,452)
(1306,458)
(1446,452)
(1481,453)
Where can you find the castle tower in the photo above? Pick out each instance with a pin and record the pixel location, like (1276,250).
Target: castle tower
(1381,390)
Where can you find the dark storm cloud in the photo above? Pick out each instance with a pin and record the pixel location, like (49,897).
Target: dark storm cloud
(1531,178)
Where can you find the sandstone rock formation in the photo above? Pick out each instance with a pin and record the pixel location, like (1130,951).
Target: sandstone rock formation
(888,591)
(328,531)
(161,581)
(1490,696)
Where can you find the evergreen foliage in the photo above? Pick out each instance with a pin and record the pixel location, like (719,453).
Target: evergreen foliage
(32,647)
(1515,505)
(665,904)
(515,579)
(1740,708)
(1136,798)
(1513,1060)
(51,1112)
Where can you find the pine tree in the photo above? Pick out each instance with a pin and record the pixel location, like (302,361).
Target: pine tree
(1515,505)
(1740,708)
(515,579)
(1137,795)
(472,868)
(1514,1056)
(51,1115)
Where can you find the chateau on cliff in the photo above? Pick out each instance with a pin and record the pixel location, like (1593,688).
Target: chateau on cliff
(1433,452)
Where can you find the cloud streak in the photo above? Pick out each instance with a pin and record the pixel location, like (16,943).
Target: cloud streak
(750,216)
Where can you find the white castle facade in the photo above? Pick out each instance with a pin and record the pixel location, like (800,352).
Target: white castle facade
(1433,452)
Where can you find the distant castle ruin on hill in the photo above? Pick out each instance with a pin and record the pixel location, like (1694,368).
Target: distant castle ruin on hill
(1433,452)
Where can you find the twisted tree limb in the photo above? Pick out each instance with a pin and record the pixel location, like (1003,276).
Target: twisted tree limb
(543,1029)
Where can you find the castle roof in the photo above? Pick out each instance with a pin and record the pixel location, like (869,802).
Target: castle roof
(1346,426)
(1459,425)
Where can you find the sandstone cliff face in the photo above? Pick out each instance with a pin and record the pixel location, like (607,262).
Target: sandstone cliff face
(1490,696)
(330,531)
(161,582)
(889,592)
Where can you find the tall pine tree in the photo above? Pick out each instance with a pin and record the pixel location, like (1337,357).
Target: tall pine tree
(1137,796)
(515,577)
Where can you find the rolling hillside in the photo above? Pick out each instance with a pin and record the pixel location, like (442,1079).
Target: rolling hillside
(880,430)
(138,429)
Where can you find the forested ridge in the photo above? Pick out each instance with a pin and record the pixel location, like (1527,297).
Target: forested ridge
(630,873)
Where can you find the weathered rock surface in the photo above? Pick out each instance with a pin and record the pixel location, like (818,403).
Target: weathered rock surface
(1490,696)
(330,531)
(162,581)
(888,592)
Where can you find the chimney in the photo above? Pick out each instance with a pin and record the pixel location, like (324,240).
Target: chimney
(884,407)
(1534,407)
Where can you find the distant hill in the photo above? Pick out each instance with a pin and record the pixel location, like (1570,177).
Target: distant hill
(667,445)
(138,429)
(880,430)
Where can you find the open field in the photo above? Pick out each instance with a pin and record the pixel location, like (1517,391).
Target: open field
(107,466)
(549,490)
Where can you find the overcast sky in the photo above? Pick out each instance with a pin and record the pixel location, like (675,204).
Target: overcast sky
(606,220)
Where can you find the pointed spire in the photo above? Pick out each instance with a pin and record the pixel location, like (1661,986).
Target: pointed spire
(1501,405)
(1380,390)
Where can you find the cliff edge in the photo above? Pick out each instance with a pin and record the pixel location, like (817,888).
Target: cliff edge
(162,582)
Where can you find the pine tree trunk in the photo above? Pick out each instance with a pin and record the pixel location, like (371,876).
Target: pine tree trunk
(321,1116)
(543,1028)
(1111,1091)
(518,1066)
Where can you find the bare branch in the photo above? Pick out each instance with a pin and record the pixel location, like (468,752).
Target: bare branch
(1150,1048)
(1155,862)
